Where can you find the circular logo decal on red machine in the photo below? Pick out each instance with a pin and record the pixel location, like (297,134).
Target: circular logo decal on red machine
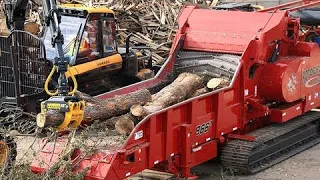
(313,81)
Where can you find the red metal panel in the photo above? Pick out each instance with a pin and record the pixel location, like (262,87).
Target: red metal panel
(204,152)
(220,31)
(281,115)
(169,132)
(231,97)
(156,149)
(312,100)
(284,78)
(185,150)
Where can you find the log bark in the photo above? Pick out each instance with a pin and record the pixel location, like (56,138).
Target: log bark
(180,89)
(100,109)
(200,92)
(51,118)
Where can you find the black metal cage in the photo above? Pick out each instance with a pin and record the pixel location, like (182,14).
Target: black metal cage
(23,66)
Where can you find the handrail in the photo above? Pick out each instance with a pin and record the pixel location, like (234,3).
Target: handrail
(304,6)
(306,3)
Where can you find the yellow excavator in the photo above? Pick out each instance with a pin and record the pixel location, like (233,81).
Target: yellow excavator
(90,41)
(78,45)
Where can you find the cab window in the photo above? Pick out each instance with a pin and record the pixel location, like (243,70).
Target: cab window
(70,27)
(108,33)
(98,38)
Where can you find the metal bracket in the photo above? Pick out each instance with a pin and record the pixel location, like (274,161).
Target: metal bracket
(241,137)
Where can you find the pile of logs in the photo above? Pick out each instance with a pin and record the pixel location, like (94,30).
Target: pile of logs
(124,111)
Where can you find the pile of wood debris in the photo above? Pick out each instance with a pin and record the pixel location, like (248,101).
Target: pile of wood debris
(152,22)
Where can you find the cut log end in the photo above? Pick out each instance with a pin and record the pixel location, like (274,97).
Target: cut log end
(41,120)
(47,119)
(214,83)
(124,125)
(137,110)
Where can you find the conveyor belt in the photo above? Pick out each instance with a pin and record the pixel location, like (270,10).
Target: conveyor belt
(272,145)
(211,64)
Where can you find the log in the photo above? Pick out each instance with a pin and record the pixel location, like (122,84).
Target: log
(32,27)
(124,124)
(115,106)
(200,92)
(180,89)
(51,118)
(3,28)
(99,109)
(214,83)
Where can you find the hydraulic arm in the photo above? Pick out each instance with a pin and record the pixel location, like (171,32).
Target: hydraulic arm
(61,100)
(61,62)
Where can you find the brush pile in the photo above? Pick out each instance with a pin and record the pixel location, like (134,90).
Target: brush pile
(152,22)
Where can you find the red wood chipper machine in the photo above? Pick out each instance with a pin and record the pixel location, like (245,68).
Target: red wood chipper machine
(264,116)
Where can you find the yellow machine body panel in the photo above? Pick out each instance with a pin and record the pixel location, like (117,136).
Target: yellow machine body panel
(88,9)
(89,66)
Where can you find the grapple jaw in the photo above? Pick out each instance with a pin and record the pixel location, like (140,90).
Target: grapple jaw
(73,110)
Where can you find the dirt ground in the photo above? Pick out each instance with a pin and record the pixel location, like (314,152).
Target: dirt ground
(303,166)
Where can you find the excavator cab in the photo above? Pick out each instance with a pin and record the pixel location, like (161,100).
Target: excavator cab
(89,34)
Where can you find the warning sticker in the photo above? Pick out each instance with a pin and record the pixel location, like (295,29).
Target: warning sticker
(138,135)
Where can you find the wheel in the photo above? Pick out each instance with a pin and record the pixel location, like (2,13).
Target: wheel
(8,154)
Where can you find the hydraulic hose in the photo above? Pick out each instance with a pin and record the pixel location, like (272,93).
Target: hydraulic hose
(46,85)
(75,83)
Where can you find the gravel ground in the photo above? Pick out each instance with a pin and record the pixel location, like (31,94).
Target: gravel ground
(303,166)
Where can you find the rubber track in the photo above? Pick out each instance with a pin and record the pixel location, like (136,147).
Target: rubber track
(241,155)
